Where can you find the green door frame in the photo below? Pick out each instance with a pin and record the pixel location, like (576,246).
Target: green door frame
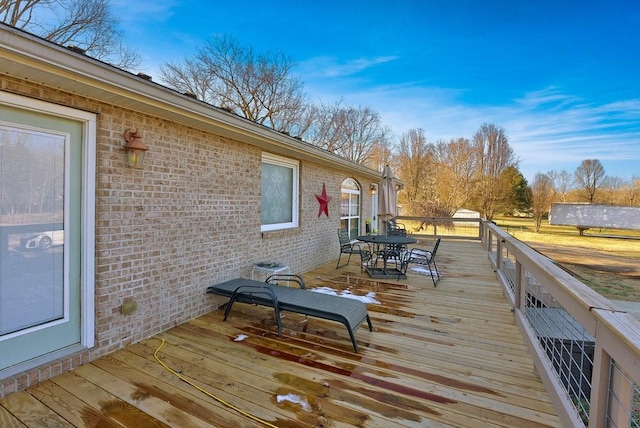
(83,187)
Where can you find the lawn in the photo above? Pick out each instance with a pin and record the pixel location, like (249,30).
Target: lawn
(607,260)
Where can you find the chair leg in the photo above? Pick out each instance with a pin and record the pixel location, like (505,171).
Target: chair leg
(364,259)
(369,323)
(348,259)
(435,278)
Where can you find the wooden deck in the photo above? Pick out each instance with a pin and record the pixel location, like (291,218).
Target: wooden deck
(445,356)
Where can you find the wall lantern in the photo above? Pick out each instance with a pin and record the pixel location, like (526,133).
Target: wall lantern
(373,188)
(135,148)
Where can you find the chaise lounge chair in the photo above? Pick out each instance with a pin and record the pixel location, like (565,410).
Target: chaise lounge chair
(352,313)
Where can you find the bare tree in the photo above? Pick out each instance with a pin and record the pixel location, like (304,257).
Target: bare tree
(494,156)
(379,156)
(260,88)
(456,170)
(612,190)
(413,159)
(351,132)
(542,194)
(562,183)
(589,176)
(85,24)
(632,192)
(189,77)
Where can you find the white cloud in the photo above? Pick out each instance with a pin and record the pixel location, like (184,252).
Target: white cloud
(562,131)
(547,129)
(550,97)
(330,67)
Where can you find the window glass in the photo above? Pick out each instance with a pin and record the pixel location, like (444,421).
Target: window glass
(344,204)
(32,186)
(279,203)
(350,184)
(350,207)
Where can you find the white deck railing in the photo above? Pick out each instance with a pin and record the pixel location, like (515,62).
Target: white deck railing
(585,349)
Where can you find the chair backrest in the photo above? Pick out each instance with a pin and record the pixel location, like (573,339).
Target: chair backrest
(395,250)
(394,228)
(343,236)
(418,256)
(435,248)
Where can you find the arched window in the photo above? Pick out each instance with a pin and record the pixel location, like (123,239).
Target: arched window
(350,207)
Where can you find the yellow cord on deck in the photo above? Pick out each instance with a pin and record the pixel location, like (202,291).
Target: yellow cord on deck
(220,400)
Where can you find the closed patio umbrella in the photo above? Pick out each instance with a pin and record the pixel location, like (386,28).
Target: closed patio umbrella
(387,197)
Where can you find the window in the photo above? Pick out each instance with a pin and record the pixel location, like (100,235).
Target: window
(350,207)
(279,193)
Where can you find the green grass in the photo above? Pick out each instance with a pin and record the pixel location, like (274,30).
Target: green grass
(605,260)
(619,242)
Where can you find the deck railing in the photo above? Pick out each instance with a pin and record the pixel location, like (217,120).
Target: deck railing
(444,227)
(586,350)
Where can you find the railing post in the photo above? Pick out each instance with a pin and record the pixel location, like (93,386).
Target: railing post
(490,246)
(623,389)
(518,298)
(604,380)
(599,387)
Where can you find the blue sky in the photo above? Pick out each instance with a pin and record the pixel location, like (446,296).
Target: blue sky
(561,77)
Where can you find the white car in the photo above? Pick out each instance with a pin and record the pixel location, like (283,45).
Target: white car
(43,240)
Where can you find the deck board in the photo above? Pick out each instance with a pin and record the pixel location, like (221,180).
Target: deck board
(440,356)
(31,412)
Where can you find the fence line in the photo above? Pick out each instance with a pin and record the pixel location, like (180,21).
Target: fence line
(445,227)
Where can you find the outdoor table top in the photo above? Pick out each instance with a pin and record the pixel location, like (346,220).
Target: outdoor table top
(387,239)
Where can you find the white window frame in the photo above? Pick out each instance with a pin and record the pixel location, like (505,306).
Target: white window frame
(294,165)
(352,216)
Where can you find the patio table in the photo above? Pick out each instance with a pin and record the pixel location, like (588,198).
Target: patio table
(378,240)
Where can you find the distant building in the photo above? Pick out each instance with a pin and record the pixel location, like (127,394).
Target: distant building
(586,216)
(465,213)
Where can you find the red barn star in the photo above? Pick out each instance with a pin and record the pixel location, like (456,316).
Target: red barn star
(323,200)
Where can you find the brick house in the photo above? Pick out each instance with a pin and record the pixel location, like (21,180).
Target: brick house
(200,211)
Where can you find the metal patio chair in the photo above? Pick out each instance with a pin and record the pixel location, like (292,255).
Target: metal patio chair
(348,247)
(422,257)
(394,228)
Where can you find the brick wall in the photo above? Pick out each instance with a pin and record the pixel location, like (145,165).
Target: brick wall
(189,219)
